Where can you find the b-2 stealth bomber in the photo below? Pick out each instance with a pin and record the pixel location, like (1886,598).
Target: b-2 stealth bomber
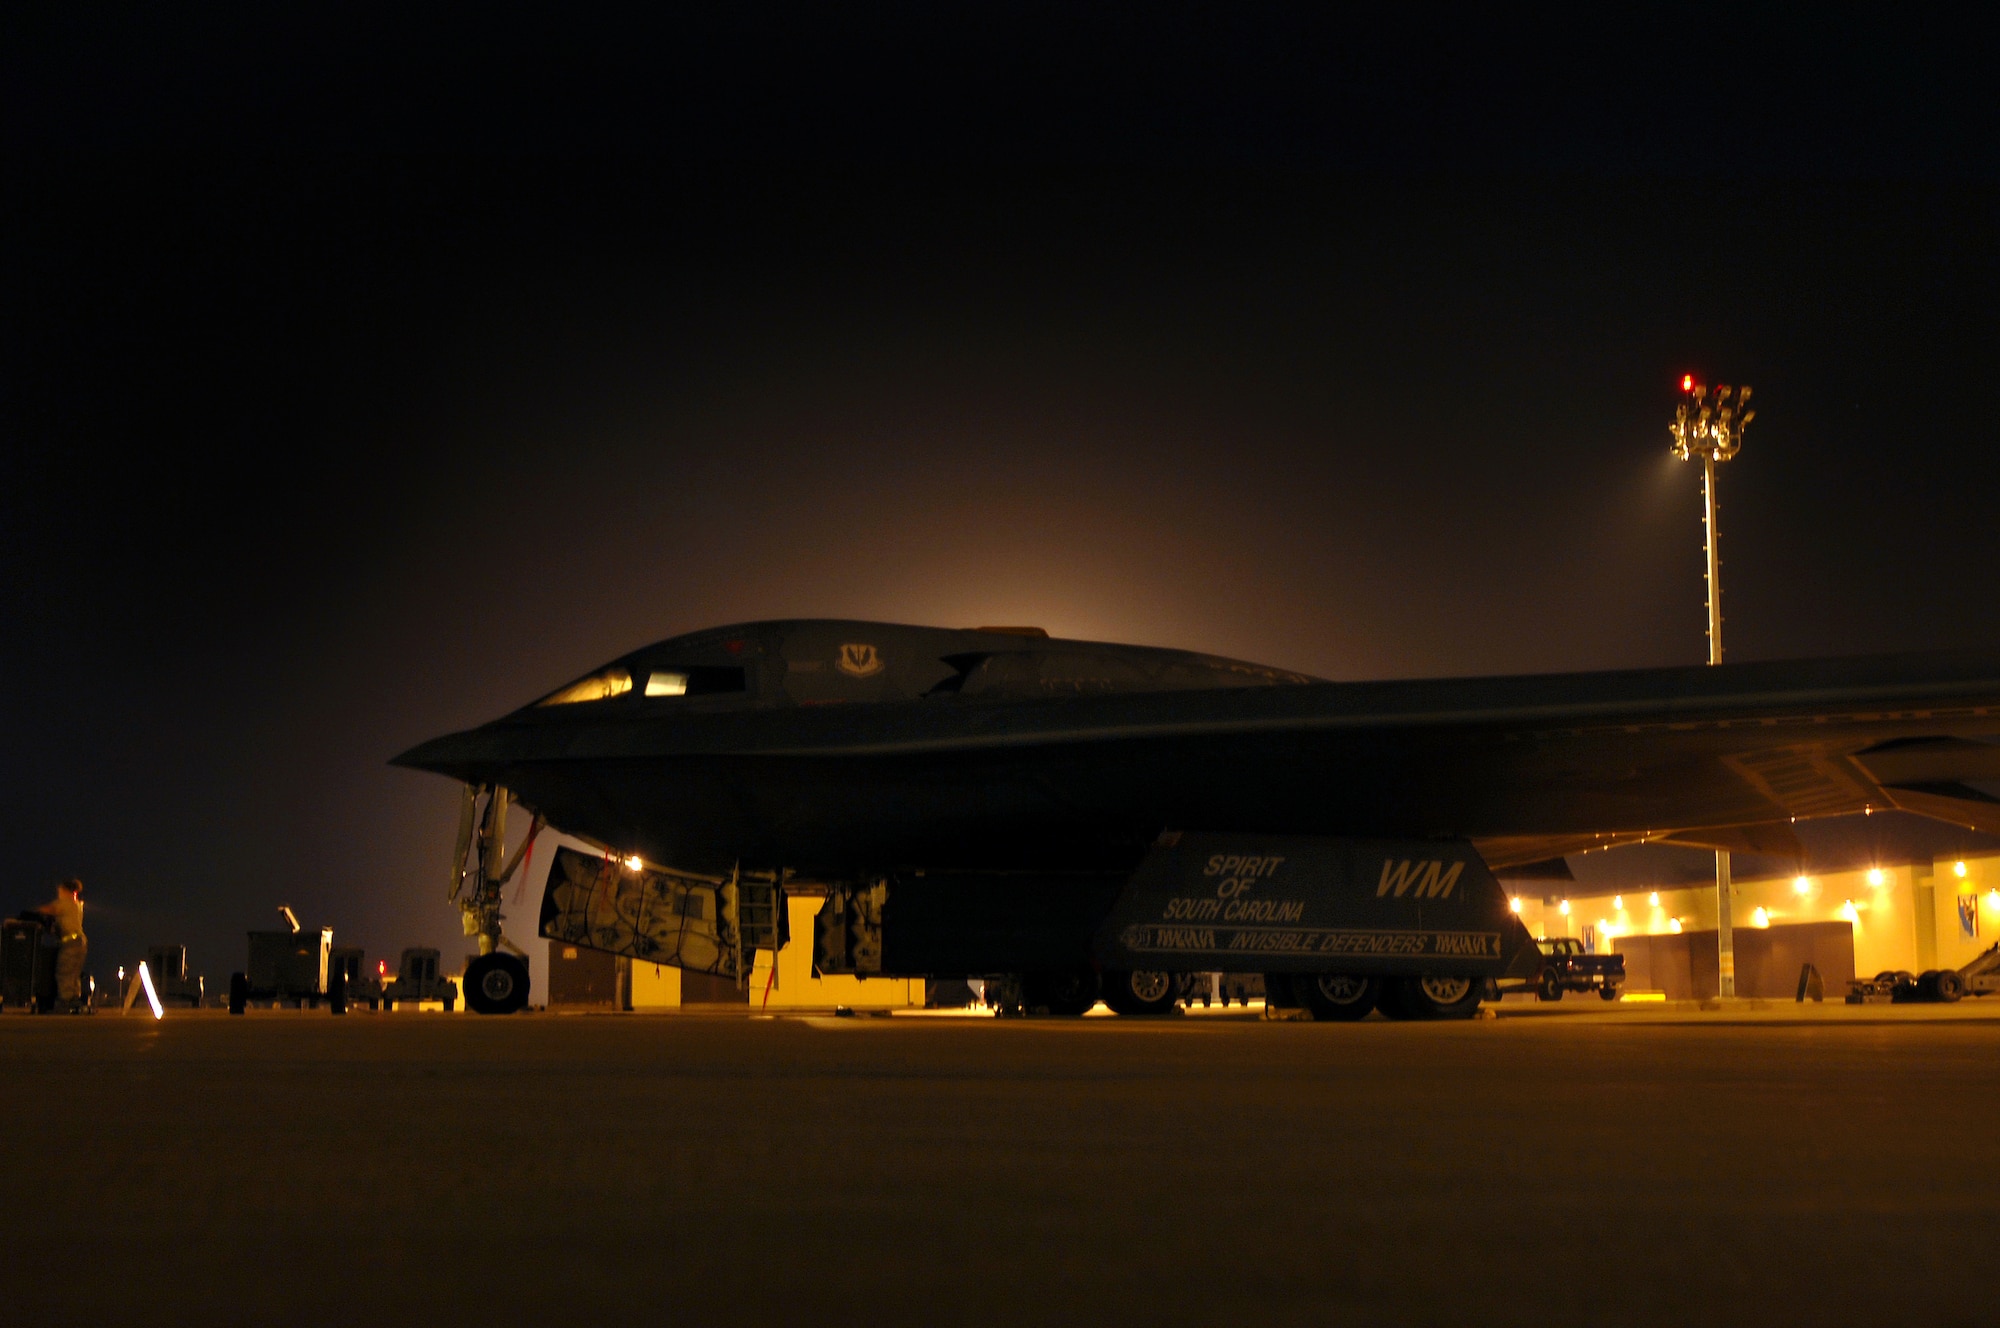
(1074,820)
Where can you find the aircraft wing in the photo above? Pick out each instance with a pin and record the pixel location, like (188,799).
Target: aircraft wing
(1528,767)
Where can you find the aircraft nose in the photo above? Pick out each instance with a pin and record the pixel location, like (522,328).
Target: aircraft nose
(459,755)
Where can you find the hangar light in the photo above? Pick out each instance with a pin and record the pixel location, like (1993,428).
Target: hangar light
(1958,867)
(1514,903)
(634,863)
(1761,918)
(1851,913)
(1801,886)
(1874,876)
(1618,902)
(1654,899)
(1674,926)
(1564,910)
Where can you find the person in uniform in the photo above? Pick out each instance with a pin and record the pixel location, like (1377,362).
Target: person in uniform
(65,913)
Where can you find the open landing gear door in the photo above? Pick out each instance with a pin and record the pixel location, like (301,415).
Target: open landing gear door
(701,923)
(1284,904)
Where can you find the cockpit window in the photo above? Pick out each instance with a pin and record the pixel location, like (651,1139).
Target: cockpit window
(600,686)
(696,680)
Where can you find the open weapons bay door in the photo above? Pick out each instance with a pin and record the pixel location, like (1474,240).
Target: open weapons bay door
(704,924)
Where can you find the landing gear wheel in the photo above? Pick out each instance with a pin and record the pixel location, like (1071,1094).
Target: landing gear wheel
(1278,993)
(1062,993)
(1609,991)
(1435,997)
(1145,992)
(1549,987)
(496,984)
(1336,996)
(1949,985)
(239,993)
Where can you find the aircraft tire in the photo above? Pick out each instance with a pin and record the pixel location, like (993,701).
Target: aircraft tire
(1949,985)
(1392,998)
(1339,997)
(1141,993)
(1067,993)
(1434,997)
(496,984)
(239,993)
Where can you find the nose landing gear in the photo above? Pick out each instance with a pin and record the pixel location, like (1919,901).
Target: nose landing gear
(497,981)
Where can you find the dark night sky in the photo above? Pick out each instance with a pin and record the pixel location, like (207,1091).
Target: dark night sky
(365,377)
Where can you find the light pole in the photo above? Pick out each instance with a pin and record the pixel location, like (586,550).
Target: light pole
(1712,428)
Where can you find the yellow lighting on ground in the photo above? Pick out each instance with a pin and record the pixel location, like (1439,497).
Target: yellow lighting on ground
(1761,918)
(1654,899)
(1564,909)
(1875,876)
(1514,904)
(634,863)
(1958,867)
(1801,886)
(1643,996)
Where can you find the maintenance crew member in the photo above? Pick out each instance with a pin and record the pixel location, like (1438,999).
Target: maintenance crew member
(65,913)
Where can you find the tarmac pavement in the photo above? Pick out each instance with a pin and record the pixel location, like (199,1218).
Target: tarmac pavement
(1770,1164)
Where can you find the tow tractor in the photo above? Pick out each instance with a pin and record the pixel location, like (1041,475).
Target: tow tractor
(417,979)
(287,968)
(1981,977)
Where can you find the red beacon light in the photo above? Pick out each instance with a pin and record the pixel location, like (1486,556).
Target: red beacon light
(1687,382)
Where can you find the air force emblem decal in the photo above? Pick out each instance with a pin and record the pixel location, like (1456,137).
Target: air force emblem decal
(859,661)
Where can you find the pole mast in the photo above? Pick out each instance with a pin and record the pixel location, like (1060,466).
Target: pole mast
(1713,432)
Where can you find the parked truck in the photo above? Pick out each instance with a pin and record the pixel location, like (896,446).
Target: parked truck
(1567,966)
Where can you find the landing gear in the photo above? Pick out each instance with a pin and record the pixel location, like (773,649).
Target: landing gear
(1070,992)
(1142,993)
(1336,996)
(1433,997)
(496,983)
